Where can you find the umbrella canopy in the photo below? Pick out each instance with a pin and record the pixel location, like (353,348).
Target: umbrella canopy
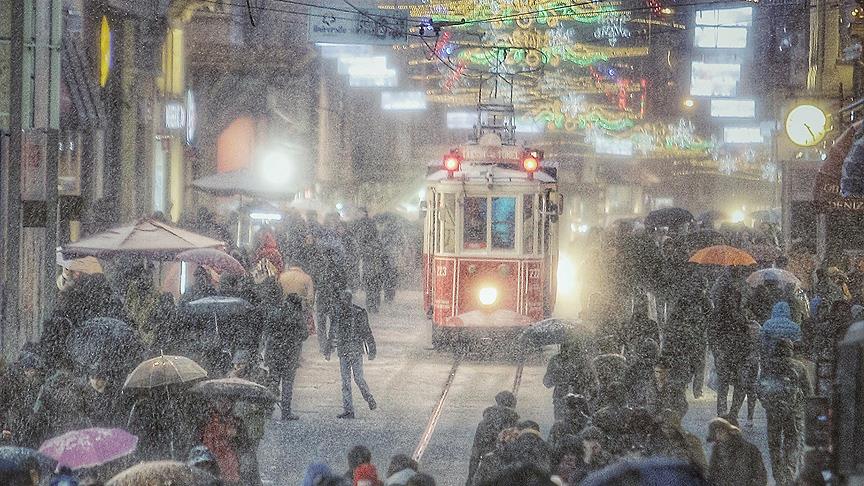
(148,239)
(668,217)
(110,343)
(162,473)
(547,331)
(18,455)
(722,255)
(778,275)
(216,259)
(243,182)
(82,265)
(234,388)
(93,447)
(164,370)
(219,305)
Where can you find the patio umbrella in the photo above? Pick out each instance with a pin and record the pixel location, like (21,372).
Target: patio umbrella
(147,238)
(87,265)
(162,473)
(234,388)
(779,275)
(92,447)
(243,182)
(668,217)
(216,259)
(164,370)
(111,343)
(722,255)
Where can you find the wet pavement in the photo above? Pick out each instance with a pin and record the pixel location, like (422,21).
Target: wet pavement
(407,380)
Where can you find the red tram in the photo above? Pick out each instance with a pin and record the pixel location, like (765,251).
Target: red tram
(490,239)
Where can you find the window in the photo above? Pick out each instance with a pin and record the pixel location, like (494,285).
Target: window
(528,225)
(503,222)
(447,223)
(723,29)
(708,79)
(474,228)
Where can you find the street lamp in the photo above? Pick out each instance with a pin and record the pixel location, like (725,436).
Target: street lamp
(276,167)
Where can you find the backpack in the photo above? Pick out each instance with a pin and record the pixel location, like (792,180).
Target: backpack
(778,390)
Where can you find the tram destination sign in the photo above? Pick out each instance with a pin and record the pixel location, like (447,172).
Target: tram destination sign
(367,26)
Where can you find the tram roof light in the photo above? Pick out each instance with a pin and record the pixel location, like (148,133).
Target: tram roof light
(452,161)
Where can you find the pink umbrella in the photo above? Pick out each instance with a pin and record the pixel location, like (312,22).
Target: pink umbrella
(89,447)
(210,257)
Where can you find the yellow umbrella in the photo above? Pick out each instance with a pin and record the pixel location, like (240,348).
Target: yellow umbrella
(722,255)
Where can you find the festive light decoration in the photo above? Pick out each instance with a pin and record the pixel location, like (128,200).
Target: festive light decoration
(613,27)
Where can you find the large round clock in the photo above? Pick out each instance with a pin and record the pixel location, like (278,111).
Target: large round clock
(807,125)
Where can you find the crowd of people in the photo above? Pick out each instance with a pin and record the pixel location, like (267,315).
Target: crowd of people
(298,282)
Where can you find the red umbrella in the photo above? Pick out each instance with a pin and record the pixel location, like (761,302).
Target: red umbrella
(218,260)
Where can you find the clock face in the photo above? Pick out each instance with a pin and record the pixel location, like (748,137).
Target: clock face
(806,125)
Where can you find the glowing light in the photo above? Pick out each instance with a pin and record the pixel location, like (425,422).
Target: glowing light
(266,216)
(488,295)
(689,103)
(276,167)
(806,125)
(530,164)
(451,163)
(737,216)
(105,55)
(731,108)
(566,276)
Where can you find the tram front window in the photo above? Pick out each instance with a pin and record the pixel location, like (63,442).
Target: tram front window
(503,222)
(474,229)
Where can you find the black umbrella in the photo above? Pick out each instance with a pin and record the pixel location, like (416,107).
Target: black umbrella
(110,343)
(703,239)
(19,455)
(668,217)
(547,331)
(234,389)
(218,305)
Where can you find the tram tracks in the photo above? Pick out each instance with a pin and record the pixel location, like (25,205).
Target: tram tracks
(435,417)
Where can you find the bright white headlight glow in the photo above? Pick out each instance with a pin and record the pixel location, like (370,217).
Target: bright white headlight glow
(488,295)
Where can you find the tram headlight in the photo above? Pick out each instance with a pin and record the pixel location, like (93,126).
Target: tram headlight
(488,295)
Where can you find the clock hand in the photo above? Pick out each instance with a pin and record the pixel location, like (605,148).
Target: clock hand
(810,130)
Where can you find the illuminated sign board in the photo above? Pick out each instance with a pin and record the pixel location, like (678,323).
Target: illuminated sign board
(175,115)
(385,79)
(710,79)
(733,108)
(742,135)
(334,51)
(403,100)
(361,63)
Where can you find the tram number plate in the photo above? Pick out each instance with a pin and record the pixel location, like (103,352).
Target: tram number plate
(441,271)
(533,273)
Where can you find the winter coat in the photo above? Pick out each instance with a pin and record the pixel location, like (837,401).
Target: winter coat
(736,462)
(400,478)
(728,336)
(780,326)
(351,334)
(636,331)
(163,421)
(571,425)
(530,448)
(639,375)
(671,396)
(789,377)
(568,373)
(268,249)
(295,281)
(18,395)
(219,435)
(495,419)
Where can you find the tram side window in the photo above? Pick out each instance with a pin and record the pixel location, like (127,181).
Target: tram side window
(528,226)
(474,230)
(503,222)
(447,223)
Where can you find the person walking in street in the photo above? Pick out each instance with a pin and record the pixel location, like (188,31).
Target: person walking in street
(568,372)
(779,327)
(496,418)
(734,461)
(351,335)
(783,390)
(728,337)
(286,332)
(295,281)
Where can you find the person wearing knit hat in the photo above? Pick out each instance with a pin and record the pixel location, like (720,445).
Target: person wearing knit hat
(366,475)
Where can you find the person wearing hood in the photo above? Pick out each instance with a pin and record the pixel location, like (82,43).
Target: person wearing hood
(366,475)
(201,458)
(568,372)
(401,469)
(734,460)
(784,388)
(316,474)
(779,327)
(496,418)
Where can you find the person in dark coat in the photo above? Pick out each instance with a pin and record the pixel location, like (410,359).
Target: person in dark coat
(666,393)
(684,341)
(286,330)
(202,286)
(164,420)
(575,419)
(734,460)
(639,376)
(728,335)
(498,459)
(639,328)
(779,327)
(496,418)
(784,388)
(374,270)
(19,389)
(568,372)
(352,337)
(357,456)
